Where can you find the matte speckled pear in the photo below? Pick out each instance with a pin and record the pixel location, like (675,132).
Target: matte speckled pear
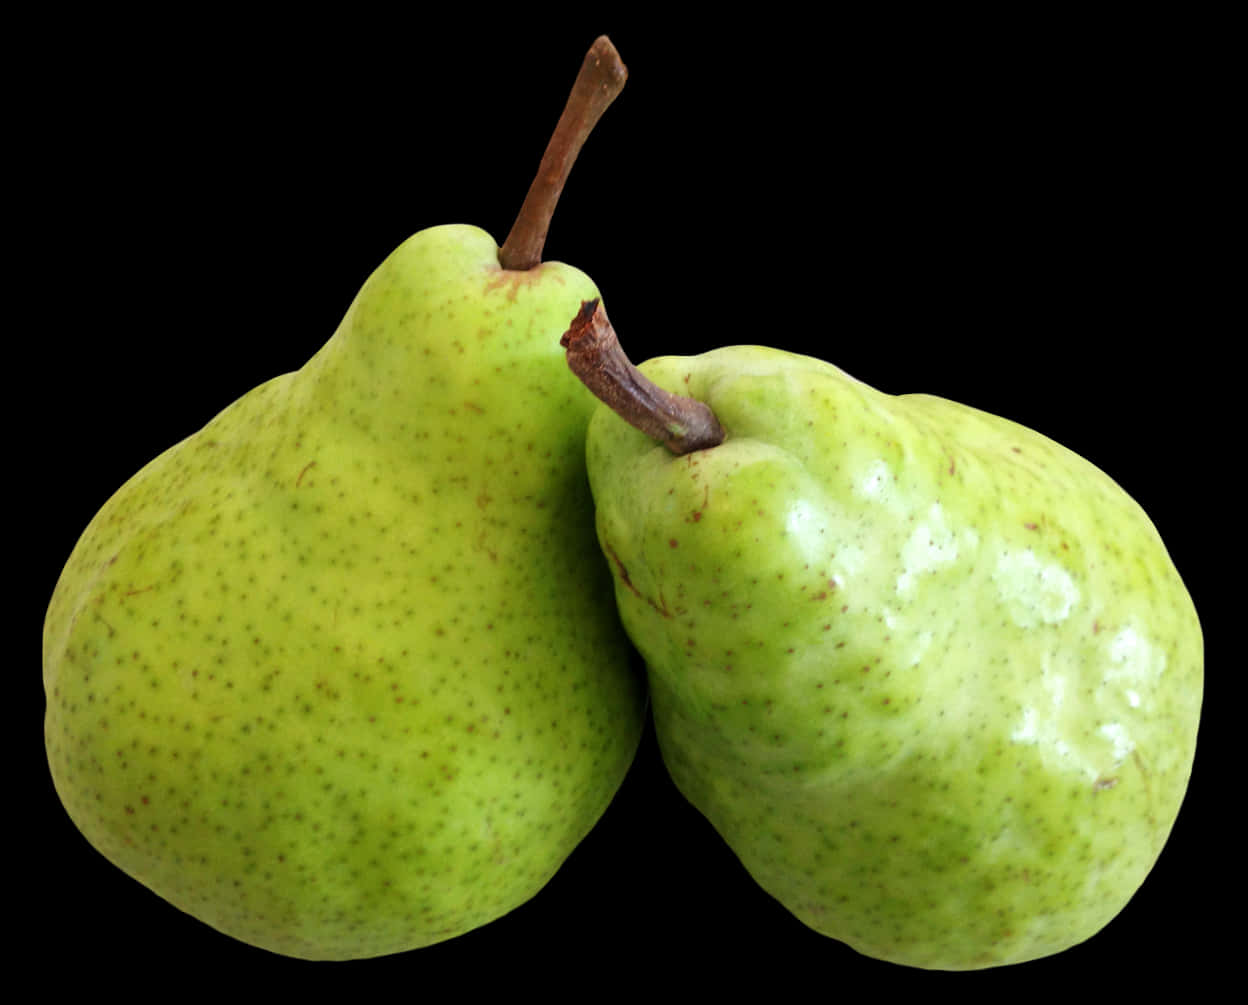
(932,676)
(340,674)
(337,674)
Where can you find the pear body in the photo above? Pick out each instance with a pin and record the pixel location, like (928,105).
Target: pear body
(932,676)
(340,674)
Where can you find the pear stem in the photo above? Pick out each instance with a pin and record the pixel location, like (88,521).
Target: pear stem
(681,424)
(598,83)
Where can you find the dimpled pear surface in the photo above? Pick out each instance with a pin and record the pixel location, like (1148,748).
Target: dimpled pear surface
(333,674)
(932,676)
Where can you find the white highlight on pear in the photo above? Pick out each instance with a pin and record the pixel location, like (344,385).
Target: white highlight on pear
(1120,743)
(1041,725)
(1035,592)
(1041,722)
(931,546)
(922,642)
(801,518)
(877,482)
(1135,664)
(1135,659)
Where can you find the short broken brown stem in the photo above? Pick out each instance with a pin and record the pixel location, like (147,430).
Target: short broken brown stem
(681,424)
(598,84)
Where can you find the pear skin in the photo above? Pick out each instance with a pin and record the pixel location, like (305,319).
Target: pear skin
(932,676)
(340,674)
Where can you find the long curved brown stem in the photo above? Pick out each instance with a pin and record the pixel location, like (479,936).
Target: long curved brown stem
(599,82)
(681,424)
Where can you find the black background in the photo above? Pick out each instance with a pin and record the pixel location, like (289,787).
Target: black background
(1014,215)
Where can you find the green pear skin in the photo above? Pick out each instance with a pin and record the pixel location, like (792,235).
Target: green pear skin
(341,674)
(932,676)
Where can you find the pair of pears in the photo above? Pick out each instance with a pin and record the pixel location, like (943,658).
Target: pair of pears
(346,673)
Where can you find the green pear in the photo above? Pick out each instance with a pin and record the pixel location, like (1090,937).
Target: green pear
(340,674)
(933,677)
